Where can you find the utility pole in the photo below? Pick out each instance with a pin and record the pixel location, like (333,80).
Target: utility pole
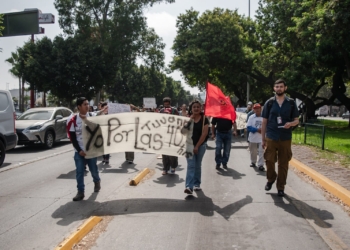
(32,100)
(248,87)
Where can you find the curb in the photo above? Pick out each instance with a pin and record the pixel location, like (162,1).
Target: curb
(79,234)
(139,177)
(332,187)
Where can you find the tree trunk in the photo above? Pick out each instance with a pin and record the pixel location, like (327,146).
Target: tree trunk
(44,99)
(22,104)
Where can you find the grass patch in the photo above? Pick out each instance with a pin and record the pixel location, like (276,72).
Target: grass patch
(337,136)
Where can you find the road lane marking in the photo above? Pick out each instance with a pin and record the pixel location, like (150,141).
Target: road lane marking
(327,234)
(79,233)
(20,164)
(139,177)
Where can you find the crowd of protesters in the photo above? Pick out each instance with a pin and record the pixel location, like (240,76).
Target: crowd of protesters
(268,134)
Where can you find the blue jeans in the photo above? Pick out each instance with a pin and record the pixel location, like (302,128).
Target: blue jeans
(194,168)
(80,170)
(223,140)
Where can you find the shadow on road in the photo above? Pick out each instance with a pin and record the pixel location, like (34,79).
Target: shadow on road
(170,180)
(258,172)
(74,211)
(230,173)
(301,209)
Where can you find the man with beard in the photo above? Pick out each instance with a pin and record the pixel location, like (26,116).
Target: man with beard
(280,114)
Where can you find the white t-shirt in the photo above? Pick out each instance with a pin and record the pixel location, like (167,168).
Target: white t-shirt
(79,129)
(255,122)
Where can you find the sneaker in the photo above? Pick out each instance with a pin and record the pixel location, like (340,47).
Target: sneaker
(97,186)
(79,196)
(188,191)
(224,166)
(253,165)
(172,170)
(130,162)
(261,168)
(197,189)
(280,193)
(268,186)
(164,172)
(217,166)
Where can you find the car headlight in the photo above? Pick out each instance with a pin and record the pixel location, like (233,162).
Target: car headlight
(36,127)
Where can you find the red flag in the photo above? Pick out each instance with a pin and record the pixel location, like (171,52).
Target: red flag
(217,104)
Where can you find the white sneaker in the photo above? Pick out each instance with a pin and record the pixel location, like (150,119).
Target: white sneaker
(197,189)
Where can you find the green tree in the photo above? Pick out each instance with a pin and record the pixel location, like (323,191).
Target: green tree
(214,47)
(291,48)
(120,28)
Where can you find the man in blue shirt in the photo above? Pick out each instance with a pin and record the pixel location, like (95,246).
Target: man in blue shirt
(280,114)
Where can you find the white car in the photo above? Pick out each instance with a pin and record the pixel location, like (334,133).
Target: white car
(8,136)
(43,125)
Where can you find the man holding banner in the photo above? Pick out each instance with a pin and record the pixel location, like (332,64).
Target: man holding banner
(75,128)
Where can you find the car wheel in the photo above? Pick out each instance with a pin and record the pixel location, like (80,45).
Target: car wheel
(2,153)
(49,139)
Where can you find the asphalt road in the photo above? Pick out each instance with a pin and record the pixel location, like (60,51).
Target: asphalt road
(232,212)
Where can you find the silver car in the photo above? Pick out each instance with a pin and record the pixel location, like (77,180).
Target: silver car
(44,125)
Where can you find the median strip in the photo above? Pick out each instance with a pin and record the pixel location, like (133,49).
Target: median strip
(79,233)
(139,177)
(332,187)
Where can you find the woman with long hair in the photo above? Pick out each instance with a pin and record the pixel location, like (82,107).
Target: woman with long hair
(199,138)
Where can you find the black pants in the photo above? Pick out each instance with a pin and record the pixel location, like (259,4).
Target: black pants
(169,162)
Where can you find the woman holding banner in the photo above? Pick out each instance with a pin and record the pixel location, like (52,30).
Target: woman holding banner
(199,138)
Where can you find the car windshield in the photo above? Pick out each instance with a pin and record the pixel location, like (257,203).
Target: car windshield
(36,115)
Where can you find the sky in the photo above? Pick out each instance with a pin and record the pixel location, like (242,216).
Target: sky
(161,17)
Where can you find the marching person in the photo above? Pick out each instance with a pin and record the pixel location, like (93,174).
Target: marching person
(221,129)
(199,138)
(75,128)
(280,114)
(183,111)
(130,156)
(106,157)
(254,137)
(169,162)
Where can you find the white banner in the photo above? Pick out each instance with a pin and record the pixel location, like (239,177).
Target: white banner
(135,131)
(241,120)
(115,108)
(149,102)
(242,110)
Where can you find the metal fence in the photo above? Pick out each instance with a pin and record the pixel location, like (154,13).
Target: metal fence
(311,134)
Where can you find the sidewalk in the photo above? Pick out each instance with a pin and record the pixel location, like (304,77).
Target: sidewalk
(331,170)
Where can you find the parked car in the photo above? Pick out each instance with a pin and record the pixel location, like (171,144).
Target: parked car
(44,125)
(345,115)
(18,114)
(8,136)
(322,111)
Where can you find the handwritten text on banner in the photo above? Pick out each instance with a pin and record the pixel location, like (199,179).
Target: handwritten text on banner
(145,132)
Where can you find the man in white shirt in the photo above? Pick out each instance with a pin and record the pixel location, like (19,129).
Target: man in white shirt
(75,128)
(255,138)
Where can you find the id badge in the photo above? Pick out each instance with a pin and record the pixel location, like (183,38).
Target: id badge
(279,120)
